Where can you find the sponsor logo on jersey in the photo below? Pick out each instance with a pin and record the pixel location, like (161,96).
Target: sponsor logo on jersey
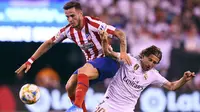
(87,46)
(133,83)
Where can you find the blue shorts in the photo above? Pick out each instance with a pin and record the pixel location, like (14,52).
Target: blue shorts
(106,66)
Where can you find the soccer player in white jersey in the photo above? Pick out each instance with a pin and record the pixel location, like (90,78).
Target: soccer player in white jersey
(128,83)
(83,30)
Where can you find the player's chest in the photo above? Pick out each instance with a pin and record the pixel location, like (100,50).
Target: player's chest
(82,36)
(84,40)
(140,77)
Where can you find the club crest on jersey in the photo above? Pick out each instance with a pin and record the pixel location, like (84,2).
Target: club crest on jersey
(136,66)
(145,76)
(88,36)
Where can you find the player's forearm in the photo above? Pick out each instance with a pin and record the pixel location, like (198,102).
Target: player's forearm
(115,55)
(107,50)
(42,49)
(122,37)
(177,84)
(104,44)
(123,45)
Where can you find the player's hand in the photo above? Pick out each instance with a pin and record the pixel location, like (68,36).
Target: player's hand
(103,34)
(124,57)
(188,75)
(23,69)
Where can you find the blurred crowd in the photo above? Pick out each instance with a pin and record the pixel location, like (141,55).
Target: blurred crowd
(164,22)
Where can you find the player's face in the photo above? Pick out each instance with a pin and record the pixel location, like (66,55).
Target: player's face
(148,62)
(74,17)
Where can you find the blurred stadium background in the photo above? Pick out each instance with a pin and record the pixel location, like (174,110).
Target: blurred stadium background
(172,25)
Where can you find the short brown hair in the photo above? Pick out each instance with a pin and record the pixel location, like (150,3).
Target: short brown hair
(72,4)
(152,50)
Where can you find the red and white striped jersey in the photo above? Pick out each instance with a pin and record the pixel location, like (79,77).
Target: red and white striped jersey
(87,38)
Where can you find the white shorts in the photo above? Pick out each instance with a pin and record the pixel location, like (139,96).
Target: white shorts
(106,107)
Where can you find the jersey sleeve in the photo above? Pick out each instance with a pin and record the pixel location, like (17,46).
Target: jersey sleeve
(99,25)
(60,36)
(159,79)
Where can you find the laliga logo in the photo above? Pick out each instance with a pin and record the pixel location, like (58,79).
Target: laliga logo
(103,27)
(155,100)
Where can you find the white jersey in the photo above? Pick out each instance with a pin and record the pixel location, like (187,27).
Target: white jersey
(126,86)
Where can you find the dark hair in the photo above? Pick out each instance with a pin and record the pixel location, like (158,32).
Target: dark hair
(72,4)
(152,50)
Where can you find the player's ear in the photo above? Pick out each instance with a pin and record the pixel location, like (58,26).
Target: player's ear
(141,56)
(80,12)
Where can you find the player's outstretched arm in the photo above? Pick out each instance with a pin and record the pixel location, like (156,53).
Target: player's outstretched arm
(179,83)
(39,52)
(123,46)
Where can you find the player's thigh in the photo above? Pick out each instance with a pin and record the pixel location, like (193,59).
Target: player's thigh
(89,70)
(71,83)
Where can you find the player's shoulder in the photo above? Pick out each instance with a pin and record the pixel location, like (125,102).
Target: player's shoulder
(154,71)
(134,58)
(92,18)
(65,28)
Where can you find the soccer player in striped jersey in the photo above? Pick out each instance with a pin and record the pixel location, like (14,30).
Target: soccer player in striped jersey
(128,83)
(84,31)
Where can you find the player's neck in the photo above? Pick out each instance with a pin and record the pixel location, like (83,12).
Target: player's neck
(142,67)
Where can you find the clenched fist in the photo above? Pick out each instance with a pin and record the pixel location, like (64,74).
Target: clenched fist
(188,75)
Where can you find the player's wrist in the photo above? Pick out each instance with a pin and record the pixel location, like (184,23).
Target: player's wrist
(30,61)
(117,55)
(122,52)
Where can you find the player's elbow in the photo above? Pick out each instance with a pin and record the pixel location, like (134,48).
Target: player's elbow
(49,43)
(172,87)
(106,52)
(120,34)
